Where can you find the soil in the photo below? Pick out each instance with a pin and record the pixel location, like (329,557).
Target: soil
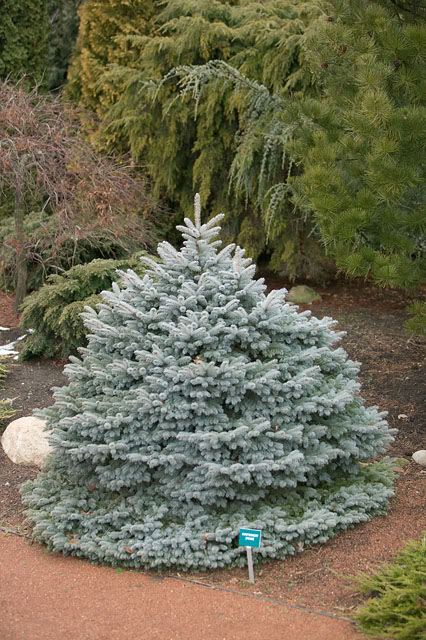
(393,377)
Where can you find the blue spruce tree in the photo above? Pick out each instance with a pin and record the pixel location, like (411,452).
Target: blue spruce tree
(200,405)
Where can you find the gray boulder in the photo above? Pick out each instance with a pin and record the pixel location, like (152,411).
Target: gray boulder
(25,442)
(420,457)
(302,295)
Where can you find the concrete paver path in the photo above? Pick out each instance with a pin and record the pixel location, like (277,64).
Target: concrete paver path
(49,597)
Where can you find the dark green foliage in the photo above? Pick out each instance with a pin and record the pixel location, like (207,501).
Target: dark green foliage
(37,38)
(411,10)
(364,146)
(312,115)
(398,607)
(317,128)
(24,28)
(53,312)
(63,18)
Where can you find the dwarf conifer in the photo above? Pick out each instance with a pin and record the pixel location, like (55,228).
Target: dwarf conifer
(200,405)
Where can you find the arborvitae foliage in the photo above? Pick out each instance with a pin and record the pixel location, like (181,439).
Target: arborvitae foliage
(201,404)
(122,60)
(24,28)
(53,313)
(62,37)
(102,40)
(397,609)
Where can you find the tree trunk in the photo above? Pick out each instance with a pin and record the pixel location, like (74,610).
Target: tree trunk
(21,253)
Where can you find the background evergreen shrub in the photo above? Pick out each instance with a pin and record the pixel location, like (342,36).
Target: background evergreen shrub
(314,127)
(417,323)
(6,411)
(359,141)
(37,39)
(53,313)
(24,30)
(121,60)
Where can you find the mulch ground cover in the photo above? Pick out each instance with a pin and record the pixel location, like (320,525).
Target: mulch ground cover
(393,377)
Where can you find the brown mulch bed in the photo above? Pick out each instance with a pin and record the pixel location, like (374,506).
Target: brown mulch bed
(393,377)
(29,385)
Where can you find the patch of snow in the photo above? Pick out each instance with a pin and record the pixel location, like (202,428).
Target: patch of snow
(8,350)
(5,328)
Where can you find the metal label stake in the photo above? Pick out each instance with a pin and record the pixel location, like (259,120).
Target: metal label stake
(250,539)
(250,564)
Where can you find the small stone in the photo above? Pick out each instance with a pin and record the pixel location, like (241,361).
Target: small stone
(420,457)
(25,441)
(302,295)
(402,416)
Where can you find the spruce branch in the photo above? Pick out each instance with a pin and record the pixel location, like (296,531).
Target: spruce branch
(197,210)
